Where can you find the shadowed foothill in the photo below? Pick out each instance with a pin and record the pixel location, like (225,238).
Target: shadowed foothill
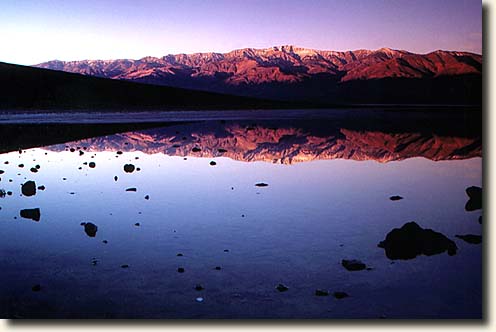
(475,198)
(411,240)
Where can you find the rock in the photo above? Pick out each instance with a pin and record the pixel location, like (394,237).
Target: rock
(261,184)
(353,265)
(2,171)
(115,178)
(226,250)
(2,193)
(42,187)
(81,152)
(213,163)
(105,241)
(475,198)
(321,292)
(90,229)
(411,240)
(33,214)
(72,149)
(282,288)
(36,288)
(129,168)
(29,188)
(119,152)
(9,193)
(37,166)
(124,266)
(218,268)
(137,224)
(147,197)
(470,238)
(199,287)
(395,198)
(195,149)
(131,189)
(180,270)
(21,165)
(92,164)
(34,170)
(222,150)
(179,255)
(340,295)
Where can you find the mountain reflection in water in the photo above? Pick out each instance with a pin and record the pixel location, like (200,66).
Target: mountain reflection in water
(287,142)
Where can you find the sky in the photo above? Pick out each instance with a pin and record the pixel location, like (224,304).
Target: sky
(34,31)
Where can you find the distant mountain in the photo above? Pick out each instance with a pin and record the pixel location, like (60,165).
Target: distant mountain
(293,73)
(26,88)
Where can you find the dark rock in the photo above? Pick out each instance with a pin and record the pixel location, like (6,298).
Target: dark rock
(129,168)
(36,288)
(395,198)
(115,178)
(42,187)
(195,149)
(131,189)
(33,214)
(105,241)
(83,223)
(261,184)
(340,295)
(138,169)
(218,268)
(199,287)
(470,238)
(29,188)
(321,292)
(353,265)
(90,229)
(72,150)
(119,152)
(475,198)
(179,255)
(147,197)
(81,152)
(222,150)
(282,288)
(92,164)
(213,163)
(411,240)
(124,266)
(37,167)
(226,250)
(9,193)
(21,165)
(180,270)
(2,171)
(2,193)
(34,170)
(137,224)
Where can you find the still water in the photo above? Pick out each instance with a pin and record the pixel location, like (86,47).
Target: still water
(198,218)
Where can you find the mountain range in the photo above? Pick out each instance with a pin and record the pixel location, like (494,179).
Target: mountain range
(301,74)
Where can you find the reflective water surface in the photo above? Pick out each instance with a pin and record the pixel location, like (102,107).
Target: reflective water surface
(175,222)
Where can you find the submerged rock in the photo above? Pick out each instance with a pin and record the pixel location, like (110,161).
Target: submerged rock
(340,295)
(90,229)
(353,265)
(36,288)
(282,288)
(29,188)
(261,184)
(475,198)
(124,266)
(395,198)
(470,238)
(33,214)
(131,189)
(321,292)
(180,270)
(199,287)
(129,168)
(411,240)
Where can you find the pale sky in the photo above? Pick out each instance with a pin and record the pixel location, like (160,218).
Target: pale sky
(37,31)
